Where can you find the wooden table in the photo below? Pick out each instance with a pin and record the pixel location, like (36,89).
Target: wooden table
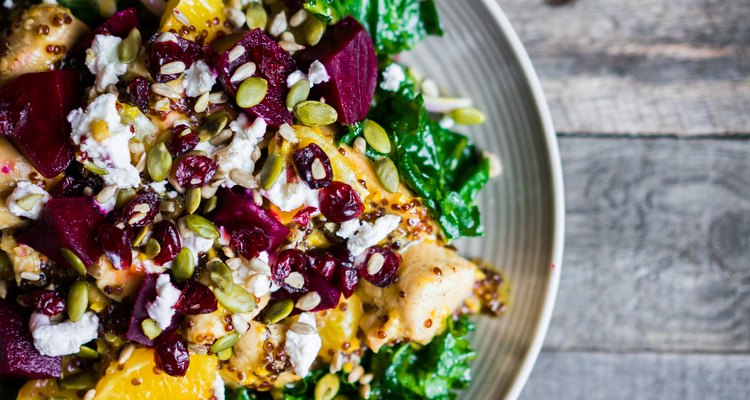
(651,99)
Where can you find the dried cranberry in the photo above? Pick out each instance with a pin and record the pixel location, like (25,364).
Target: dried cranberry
(175,48)
(182,141)
(138,91)
(340,203)
(302,217)
(165,232)
(323,261)
(386,273)
(313,166)
(117,245)
(47,302)
(249,242)
(140,211)
(76,180)
(194,171)
(196,298)
(171,353)
(288,261)
(114,318)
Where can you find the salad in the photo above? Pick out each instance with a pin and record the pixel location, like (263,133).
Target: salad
(234,199)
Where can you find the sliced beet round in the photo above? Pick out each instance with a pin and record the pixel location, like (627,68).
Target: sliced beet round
(383,263)
(339,202)
(165,232)
(347,52)
(117,245)
(18,356)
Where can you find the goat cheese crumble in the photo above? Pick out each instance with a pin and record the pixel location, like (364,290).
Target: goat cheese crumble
(218,388)
(303,344)
(22,190)
(102,60)
(362,235)
(198,79)
(317,73)
(59,339)
(196,244)
(239,153)
(295,77)
(103,140)
(393,76)
(161,310)
(291,196)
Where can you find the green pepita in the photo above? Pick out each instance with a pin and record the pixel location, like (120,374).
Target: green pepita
(124,196)
(271,171)
(220,274)
(153,248)
(201,226)
(183,265)
(298,93)
(315,113)
(192,200)
(212,253)
(159,162)
(73,260)
(78,300)
(376,137)
(224,354)
(79,381)
(150,328)
(313,31)
(225,342)
(213,125)
(210,204)
(237,300)
(256,16)
(95,168)
(29,201)
(138,240)
(327,387)
(251,92)
(88,353)
(278,311)
(387,174)
(129,48)
(467,116)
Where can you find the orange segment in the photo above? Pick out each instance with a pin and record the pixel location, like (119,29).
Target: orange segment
(338,327)
(42,389)
(137,380)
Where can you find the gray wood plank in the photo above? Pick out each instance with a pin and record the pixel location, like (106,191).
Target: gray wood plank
(643,66)
(658,246)
(600,376)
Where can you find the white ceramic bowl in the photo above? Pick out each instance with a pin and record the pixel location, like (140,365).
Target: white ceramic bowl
(482,58)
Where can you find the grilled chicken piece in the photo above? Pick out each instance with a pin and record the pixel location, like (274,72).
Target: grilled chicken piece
(13,168)
(257,358)
(433,281)
(40,38)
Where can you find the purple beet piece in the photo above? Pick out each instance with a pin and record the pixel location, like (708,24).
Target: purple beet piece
(18,357)
(33,112)
(161,52)
(146,294)
(68,222)
(273,64)
(236,209)
(347,52)
(119,24)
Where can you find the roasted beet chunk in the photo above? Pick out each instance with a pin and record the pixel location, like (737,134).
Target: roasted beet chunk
(165,232)
(236,209)
(249,242)
(33,112)
(313,166)
(68,222)
(196,298)
(18,357)
(140,211)
(272,63)
(347,52)
(380,266)
(146,294)
(166,48)
(116,244)
(340,203)
(171,353)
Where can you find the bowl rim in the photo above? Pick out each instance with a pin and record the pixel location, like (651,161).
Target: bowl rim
(558,238)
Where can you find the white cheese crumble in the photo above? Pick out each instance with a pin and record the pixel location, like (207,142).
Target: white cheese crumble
(393,75)
(8,4)
(366,234)
(218,388)
(196,244)
(199,79)
(22,190)
(162,309)
(303,344)
(110,152)
(295,77)
(291,196)
(317,73)
(59,339)
(239,153)
(102,60)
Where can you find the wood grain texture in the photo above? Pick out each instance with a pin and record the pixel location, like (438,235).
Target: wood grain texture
(674,67)
(657,251)
(600,376)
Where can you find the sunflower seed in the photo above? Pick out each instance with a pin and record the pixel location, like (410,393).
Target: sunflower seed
(236,52)
(30,276)
(235,17)
(430,88)
(90,394)
(291,47)
(174,67)
(179,16)
(302,328)
(366,379)
(243,178)
(125,354)
(496,167)
(162,89)
(287,132)
(308,301)
(287,36)
(364,391)
(106,194)
(375,263)
(243,72)
(356,373)
(318,170)
(295,280)
(201,104)
(260,266)
(234,263)
(218,98)
(298,18)
(278,24)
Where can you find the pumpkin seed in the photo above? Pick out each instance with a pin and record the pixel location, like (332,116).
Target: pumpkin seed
(251,92)
(150,328)
(138,240)
(153,248)
(124,196)
(129,48)
(210,204)
(236,300)
(95,168)
(213,125)
(88,353)
(79,381)
(256,16)
(201,226)
(298,93)
(313,31)
(387,174)
(220,274)
(29,201)
(73,260)
(192,200)
(221,137)
(272,169)
(212,253)
(278,311)
(327,387)
(376,137)
(78,300)
(183,265)
(315,113)
(224,354)
(159,162)
(225,342)
(467,116)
